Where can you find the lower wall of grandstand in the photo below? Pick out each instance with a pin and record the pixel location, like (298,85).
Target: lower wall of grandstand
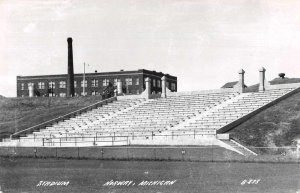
(157,153)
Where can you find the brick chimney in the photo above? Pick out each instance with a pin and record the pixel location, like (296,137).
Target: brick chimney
(70,80)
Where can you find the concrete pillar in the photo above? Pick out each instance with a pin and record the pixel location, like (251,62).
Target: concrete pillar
(241,83)
(147,92)
(262,79)
(70,79)
(31,91)
(119,87)
(240,86)
(163,87)
(148,86)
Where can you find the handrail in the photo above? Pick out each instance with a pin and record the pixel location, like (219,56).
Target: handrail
(100,139)
(249,148)
(131,135)
(68,115)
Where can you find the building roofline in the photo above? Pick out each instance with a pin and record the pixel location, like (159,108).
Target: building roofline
(139,71)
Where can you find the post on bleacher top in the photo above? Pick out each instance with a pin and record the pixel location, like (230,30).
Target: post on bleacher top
(147,92)
(163,87)
(119,87)
(262,79)
(240,86)
(31,90)
(148,86)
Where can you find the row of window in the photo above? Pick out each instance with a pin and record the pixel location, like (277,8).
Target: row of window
(95,83)
(128,81)
(41,85)
(62,94)
(94,93)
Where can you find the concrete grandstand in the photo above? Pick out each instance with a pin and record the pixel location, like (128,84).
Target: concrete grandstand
(199,118)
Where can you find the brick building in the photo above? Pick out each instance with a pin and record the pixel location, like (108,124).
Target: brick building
(55,85)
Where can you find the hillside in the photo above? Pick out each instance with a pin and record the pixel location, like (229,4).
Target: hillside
(21,113)
(276,126)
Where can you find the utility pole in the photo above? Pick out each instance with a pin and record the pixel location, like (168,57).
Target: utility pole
(83,84)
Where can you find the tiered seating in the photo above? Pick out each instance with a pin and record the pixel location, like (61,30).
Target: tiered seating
(148,118)
(158,115)
(200,114)
(221,117)
(73,127)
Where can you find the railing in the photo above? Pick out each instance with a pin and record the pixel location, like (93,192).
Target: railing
(243,144)
(61,118)
(243,147)
(108,140)
(79,141)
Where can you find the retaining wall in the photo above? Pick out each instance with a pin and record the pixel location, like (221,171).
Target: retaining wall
(205,153)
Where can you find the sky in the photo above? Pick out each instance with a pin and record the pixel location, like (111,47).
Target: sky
(202,42)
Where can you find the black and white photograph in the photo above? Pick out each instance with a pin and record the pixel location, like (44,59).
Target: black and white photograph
(149,96)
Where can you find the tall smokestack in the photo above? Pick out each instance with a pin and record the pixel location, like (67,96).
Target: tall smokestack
(70,81)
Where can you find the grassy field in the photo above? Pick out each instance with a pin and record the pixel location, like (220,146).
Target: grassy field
(276,126)
(24,175)
(20,113)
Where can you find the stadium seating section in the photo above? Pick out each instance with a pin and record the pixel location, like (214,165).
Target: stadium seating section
(125,121)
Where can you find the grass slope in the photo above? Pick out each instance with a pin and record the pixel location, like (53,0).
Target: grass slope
(276,126)
(20,113)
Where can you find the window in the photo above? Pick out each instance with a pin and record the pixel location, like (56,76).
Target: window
(30,84)
(85,83)
(173,86)
(137,81)
(51,94)
(116,81)
(62,84)
(22,86)
(62,94)
(154,82)
(105,82)
(94,83)
(94,93)
(128,81)
(145,80)
(41,85)
(158,83)
(75,83)
(51,84)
